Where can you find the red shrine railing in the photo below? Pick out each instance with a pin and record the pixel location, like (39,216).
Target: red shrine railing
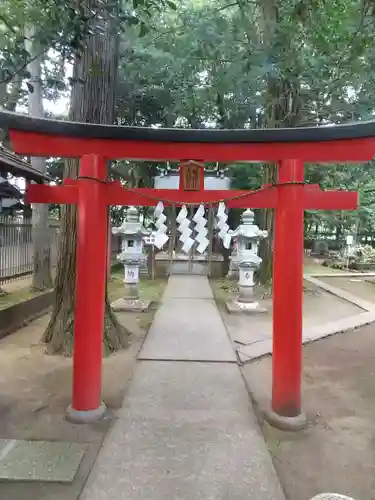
(92,192)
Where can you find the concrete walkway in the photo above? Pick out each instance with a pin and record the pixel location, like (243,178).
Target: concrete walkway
(186,430)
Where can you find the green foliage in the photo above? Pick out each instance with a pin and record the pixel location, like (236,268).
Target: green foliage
(357,178)
(64,26)
(194,63)
(248,64)
(246,176)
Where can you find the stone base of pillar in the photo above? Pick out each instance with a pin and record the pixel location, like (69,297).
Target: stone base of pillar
(86,416)
(237,306)
(127,304)
(292,424)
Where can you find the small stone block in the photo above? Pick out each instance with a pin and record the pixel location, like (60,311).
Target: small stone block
(256,350)
(39,460)
(235,307)
(250,337)
(131,305)
(343,325)
(243,357)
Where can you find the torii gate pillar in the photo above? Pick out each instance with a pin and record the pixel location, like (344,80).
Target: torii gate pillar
(288,300)
(91,271)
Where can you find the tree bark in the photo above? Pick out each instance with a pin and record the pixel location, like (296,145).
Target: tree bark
(268,18)
(41,279)
(282,109)
(92,101)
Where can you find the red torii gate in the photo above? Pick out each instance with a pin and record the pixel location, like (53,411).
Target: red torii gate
(96,144)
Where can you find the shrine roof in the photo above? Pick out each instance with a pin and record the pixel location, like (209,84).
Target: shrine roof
(18,167)
(16,121)
(8,190)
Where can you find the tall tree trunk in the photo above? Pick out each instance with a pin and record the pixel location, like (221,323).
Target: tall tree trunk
(92,101)
(268,18)
(282,109)
(41,279)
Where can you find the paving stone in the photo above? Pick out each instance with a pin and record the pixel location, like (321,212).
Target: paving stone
(189,330)
(187,386)
(242,357)
(257,349)
(263,346)
(186,456)
(39,460)
(250,337)
(340,326)
(363,304)
(188,287)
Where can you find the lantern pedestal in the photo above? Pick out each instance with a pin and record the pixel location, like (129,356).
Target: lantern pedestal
(131,301)
(246,283)
(245,302)
(131,280)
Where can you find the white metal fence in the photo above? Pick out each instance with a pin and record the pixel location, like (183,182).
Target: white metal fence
(16,247)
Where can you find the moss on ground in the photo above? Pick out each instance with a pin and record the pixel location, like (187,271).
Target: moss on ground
(16,297)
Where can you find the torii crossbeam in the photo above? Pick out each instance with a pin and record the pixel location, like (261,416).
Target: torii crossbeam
(93,193)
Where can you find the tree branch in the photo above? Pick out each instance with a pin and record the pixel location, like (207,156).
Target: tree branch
(40,53)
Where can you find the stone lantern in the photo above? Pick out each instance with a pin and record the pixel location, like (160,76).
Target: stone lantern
(248,261)
(132,256)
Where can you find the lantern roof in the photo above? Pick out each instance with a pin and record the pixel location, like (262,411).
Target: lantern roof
(132,226)
(247,229)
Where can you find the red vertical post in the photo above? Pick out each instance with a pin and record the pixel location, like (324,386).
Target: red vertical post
(90,291)
(109,245)
(288,291)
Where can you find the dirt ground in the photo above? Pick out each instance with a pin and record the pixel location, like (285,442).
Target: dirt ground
(17,284)
(36,390)
(313,265)
(337,451)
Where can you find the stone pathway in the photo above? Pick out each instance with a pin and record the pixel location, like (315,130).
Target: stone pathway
(188,327)
(187,429)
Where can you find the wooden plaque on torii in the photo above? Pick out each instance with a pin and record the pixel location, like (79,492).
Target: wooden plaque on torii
(191,176)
